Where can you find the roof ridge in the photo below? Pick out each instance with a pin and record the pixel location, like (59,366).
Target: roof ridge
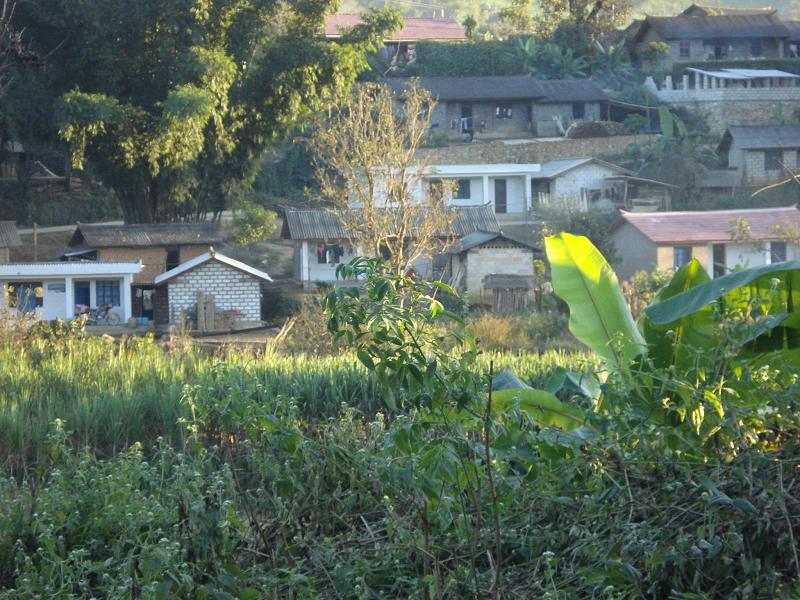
(709,212)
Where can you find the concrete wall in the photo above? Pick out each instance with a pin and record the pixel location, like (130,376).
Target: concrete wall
(5,255)
(529,151)
(543,115)
(752,163)
(316,271)
(447,114)
(231,288)
(490,259)
(587,177)
(636,251)
(736,49)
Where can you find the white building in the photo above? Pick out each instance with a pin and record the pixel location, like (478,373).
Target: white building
(52,290)
(585,183)
(505,187)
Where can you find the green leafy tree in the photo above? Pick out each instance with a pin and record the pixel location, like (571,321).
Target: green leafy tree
(174,102)
(516,18)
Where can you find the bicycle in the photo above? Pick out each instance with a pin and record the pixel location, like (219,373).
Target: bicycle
(102,315)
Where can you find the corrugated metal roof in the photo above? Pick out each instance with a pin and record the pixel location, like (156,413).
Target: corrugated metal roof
(708,10)
(207,257)
(129,236)
(794,29)
(555,168)
(506,87)
(326,225)
(414,28)
(713,225)
(745,74)
(9,237)
(762,137)
(478,238)
(717,26)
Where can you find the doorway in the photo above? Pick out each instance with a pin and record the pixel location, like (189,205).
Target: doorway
(83,294)
(500,197)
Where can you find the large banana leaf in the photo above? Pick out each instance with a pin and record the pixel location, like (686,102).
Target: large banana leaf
(779,284)
(543,407)
(671,344)
(598,314)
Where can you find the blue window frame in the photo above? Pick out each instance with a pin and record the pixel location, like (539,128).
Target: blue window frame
(107,292)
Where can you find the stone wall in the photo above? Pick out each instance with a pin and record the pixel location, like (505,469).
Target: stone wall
(529,151)
(231,288)
(724,107)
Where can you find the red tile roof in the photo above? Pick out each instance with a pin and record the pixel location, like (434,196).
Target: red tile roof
(414,29)
(713,225)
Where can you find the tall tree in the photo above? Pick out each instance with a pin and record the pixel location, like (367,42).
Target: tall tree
(174,101)
(578,24)
(370,175)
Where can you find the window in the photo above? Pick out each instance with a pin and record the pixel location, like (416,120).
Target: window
(773,160)
(720,51)
(755,48)
(25,296)
(463,189)
(777,252)
(578,110)
(681,255)
(720,260)
(503,110)
(684,49)
(107,292)
(173,258)
(329,254)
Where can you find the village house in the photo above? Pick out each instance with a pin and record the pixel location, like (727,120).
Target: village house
(721,239)
(493,268)
(211,292)
(159,247)
(509,106)
(762,154)
(322,242)
(731,96)
(9,238)
(52,290)
(587,183)
(702,33)
(400,46)
(506,188)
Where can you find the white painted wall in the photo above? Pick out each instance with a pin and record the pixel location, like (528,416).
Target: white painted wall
(314,271)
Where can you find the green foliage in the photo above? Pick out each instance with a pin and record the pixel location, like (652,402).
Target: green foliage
(174,106)
(479,57)
(599,316)
(252,223)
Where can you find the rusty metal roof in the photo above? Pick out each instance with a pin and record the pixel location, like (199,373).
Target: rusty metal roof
(326,225)
(137,236)
(414,28)
(9,238)
(688,227)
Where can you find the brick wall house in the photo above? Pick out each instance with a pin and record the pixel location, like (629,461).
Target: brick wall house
(762,154)
(508,106)
(159,247)
(235,287)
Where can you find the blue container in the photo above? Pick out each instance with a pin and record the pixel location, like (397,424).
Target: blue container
(142,320)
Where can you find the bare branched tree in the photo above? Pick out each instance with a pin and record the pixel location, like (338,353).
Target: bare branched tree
(13,52)
(370,176)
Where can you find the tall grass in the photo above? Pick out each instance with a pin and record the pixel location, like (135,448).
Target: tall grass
(113,394)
